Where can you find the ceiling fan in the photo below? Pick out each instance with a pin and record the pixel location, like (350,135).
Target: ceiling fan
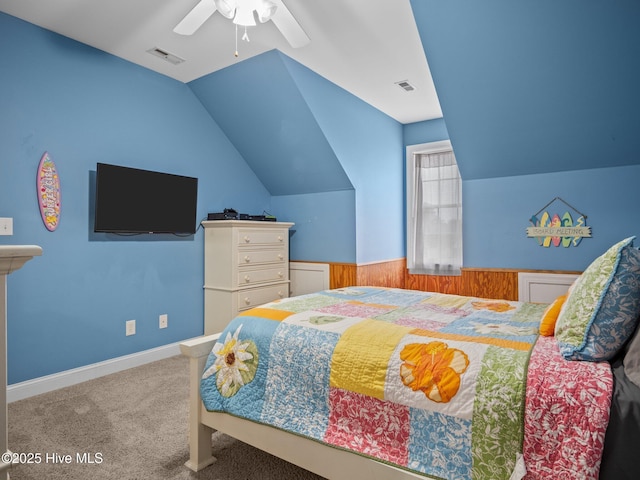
(242,12)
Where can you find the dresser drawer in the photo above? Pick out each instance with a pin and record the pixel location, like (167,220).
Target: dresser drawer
(262,275)
(262,236)
(255,297)
(257,257)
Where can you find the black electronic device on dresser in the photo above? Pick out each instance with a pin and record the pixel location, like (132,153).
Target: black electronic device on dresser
(231,214)
(227,214)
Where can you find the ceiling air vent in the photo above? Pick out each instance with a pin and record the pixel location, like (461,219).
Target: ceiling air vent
(406,86)
(169,57)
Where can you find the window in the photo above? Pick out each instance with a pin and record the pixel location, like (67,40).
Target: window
(434,210)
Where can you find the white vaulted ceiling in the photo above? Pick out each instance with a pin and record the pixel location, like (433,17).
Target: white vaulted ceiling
(363,46)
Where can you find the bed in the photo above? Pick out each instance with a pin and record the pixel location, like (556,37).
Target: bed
(383,383)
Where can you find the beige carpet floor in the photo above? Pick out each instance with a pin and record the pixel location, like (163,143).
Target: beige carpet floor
(130,425)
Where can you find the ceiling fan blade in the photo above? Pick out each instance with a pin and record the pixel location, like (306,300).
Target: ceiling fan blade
(196,17)
(289,26)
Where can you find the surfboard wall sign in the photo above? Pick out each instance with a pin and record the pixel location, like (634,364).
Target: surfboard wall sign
(558,230)
(48,186)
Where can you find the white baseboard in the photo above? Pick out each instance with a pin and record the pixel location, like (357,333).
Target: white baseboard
(48,383)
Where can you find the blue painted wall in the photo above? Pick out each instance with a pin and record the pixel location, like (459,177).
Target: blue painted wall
(314,144)
(260,108)
(425,132)
(496,213)
(369,147)
(540,100)
(324,230)
(535,87)
(68,308)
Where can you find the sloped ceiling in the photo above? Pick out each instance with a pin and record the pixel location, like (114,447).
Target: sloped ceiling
(364,46)
(525,88)
(539,86)
(259,107)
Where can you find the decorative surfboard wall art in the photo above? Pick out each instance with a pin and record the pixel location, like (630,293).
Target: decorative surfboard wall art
(48,185)
(558,229)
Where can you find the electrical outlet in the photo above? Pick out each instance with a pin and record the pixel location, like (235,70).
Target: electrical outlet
(163,320)
(130,327)
(6,226)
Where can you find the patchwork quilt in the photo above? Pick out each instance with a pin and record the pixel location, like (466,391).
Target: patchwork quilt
(428,382)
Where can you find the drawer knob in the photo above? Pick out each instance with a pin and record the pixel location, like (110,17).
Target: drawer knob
(247,259)
(247,239)
(280,274)
(247,278)
(247,301)
(280,256)
(281,294)
(280,238)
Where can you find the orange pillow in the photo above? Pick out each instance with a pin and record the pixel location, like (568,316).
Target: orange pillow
(550,315)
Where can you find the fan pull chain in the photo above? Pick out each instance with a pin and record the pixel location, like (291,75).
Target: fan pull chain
(236,40)
(245,37)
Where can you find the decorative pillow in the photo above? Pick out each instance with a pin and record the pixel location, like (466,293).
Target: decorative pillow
(602,309)
(550,315)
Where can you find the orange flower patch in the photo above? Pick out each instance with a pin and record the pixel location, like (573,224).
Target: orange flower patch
(434,369)
(493,306)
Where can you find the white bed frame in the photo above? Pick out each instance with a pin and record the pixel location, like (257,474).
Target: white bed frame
(316,457)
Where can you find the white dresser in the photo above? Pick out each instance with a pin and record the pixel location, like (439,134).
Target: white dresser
(246,264)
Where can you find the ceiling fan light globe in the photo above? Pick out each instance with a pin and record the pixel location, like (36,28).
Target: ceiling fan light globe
(226,7)
(266,10)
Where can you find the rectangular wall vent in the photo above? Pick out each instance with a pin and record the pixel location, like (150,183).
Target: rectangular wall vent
(406,86)
(169,57)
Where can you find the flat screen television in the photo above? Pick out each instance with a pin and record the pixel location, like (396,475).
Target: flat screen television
(130,200)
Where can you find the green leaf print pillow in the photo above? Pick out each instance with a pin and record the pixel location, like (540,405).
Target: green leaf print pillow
(602,309)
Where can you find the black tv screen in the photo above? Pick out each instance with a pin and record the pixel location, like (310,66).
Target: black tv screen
(130,200)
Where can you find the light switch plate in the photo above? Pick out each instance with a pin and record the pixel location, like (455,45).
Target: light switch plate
(6,226)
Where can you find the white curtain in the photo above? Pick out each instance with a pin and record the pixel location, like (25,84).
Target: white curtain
(437,215)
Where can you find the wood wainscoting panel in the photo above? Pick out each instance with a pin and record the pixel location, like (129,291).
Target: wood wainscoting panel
(473,282)
(490,283)
(383,274)
(498,283)
(389,273)
(343,275)
(434,283)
